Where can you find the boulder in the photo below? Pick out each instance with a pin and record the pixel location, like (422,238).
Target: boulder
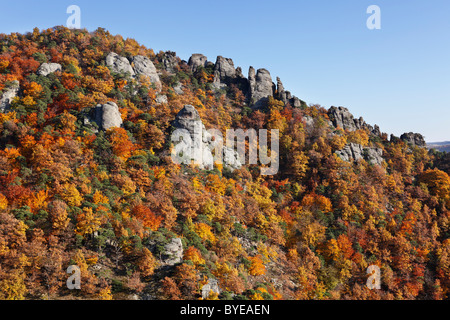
(119,64)
(8,95)
(46,68)
(211,285)
(173,252)
(414,139)
(342,118)
(197,60)
(107,116)
(144,66)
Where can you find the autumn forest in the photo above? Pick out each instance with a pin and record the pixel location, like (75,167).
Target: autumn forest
(113,203)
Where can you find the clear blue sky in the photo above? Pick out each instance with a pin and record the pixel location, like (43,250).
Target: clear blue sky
(397,77)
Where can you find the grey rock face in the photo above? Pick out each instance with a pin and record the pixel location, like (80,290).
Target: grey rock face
(213,286)
(144,66)
(261,87)
(202,147)
(189,119)
(354,152)
(173,252)
(286,96)
(162,99)
(170,62)
(46,68)
(415,139)
(231,159)
(8,95)
(119,64)
(341,117)
(107,116)
(373,155)
(225,68)
(197,60)
(178,88)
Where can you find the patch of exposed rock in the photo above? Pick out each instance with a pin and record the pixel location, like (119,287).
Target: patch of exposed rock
(170,62)
(107,116)
(342,118)
(144,66)
(173,252)
(47,68)
(197,60)
(261,87)
(201,147)
(119,64)
(415,139)
(354,152)
(212,285)
(286,96)
(8,95)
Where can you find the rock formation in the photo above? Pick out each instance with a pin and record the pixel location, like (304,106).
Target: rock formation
(261,87)
(173,252)
(354,152)
(107,116)
(46,68)
(201,144)
(119,64)
(286,96)
(415,139)
(9,94)
(197,60)
(170,62)
(212,285)
(342,118)
(144,66)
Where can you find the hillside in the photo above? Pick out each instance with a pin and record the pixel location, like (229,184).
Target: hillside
(87,179)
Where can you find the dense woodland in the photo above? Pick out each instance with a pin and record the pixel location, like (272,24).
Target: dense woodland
(108,201)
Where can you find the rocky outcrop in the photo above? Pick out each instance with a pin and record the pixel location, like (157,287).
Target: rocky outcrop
(107,116)
(201,141)
(415,139)
(286,96)
(170,62)
(8,95)
(47,68)
(144,66)
(224,69)
(119,64)
(211,286)
(161,99)
(173,252)
(261,87)
(178,88)
(342,118)
(355,152)
(197,60)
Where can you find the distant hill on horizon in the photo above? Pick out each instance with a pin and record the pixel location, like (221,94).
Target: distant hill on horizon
(443,146)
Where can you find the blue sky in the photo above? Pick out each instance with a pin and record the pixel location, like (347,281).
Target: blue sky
(397,77)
